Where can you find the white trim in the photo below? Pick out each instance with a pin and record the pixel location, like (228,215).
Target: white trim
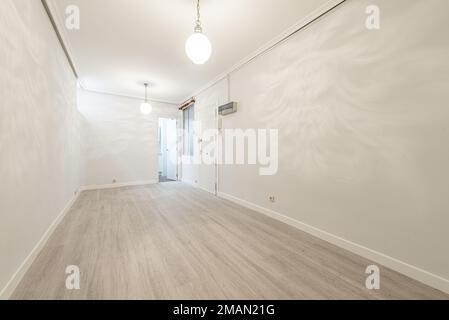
(411,271)
(52,6)
(269,45)
(190,183)
(83,87)
(118,185)
(196,185)
(205,190)
(12,284)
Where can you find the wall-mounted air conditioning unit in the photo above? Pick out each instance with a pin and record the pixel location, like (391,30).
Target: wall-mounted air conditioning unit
(227,109)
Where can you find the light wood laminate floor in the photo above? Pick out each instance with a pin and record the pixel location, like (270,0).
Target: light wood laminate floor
(172,241)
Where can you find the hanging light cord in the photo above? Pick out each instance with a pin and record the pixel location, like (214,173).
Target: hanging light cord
(198,20)
(146,92)
(198,12)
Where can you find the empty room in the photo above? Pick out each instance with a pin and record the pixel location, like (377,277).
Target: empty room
(212,150)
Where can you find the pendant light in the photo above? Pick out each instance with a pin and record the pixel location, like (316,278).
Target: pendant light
(198,47)
(146,107)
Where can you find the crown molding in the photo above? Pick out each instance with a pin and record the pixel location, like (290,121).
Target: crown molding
(60,33)
(122,95)
(323,10)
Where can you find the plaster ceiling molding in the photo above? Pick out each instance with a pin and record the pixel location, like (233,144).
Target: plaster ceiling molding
(122,44)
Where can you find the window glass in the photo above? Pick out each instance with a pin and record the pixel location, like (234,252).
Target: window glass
(188,118)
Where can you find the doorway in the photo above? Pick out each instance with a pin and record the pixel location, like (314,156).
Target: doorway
(207,172)
(168,150)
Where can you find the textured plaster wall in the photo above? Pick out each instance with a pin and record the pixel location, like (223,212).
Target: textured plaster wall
(39,131)
(363,122)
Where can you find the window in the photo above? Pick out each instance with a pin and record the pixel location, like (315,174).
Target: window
(188,117)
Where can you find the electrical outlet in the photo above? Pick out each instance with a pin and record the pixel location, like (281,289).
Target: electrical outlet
(272,199)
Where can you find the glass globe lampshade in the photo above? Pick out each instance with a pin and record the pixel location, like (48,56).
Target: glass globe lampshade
(146,108)
(198,48)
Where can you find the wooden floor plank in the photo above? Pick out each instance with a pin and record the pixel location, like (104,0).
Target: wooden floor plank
(173,241)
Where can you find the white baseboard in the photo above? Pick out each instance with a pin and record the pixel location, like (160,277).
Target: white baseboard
(411,271)
(196,185)
(118,185)
(8,290)
(191,183)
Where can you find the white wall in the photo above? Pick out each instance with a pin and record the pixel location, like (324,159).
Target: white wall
(39,131)
(363,126)
(118,142)
(212,98)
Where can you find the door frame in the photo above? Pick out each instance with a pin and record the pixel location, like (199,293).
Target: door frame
(176,144)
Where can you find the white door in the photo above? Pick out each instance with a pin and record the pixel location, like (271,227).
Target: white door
(172,150)
(207,171)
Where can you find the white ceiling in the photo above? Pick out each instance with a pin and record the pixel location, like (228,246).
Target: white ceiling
(123,43)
